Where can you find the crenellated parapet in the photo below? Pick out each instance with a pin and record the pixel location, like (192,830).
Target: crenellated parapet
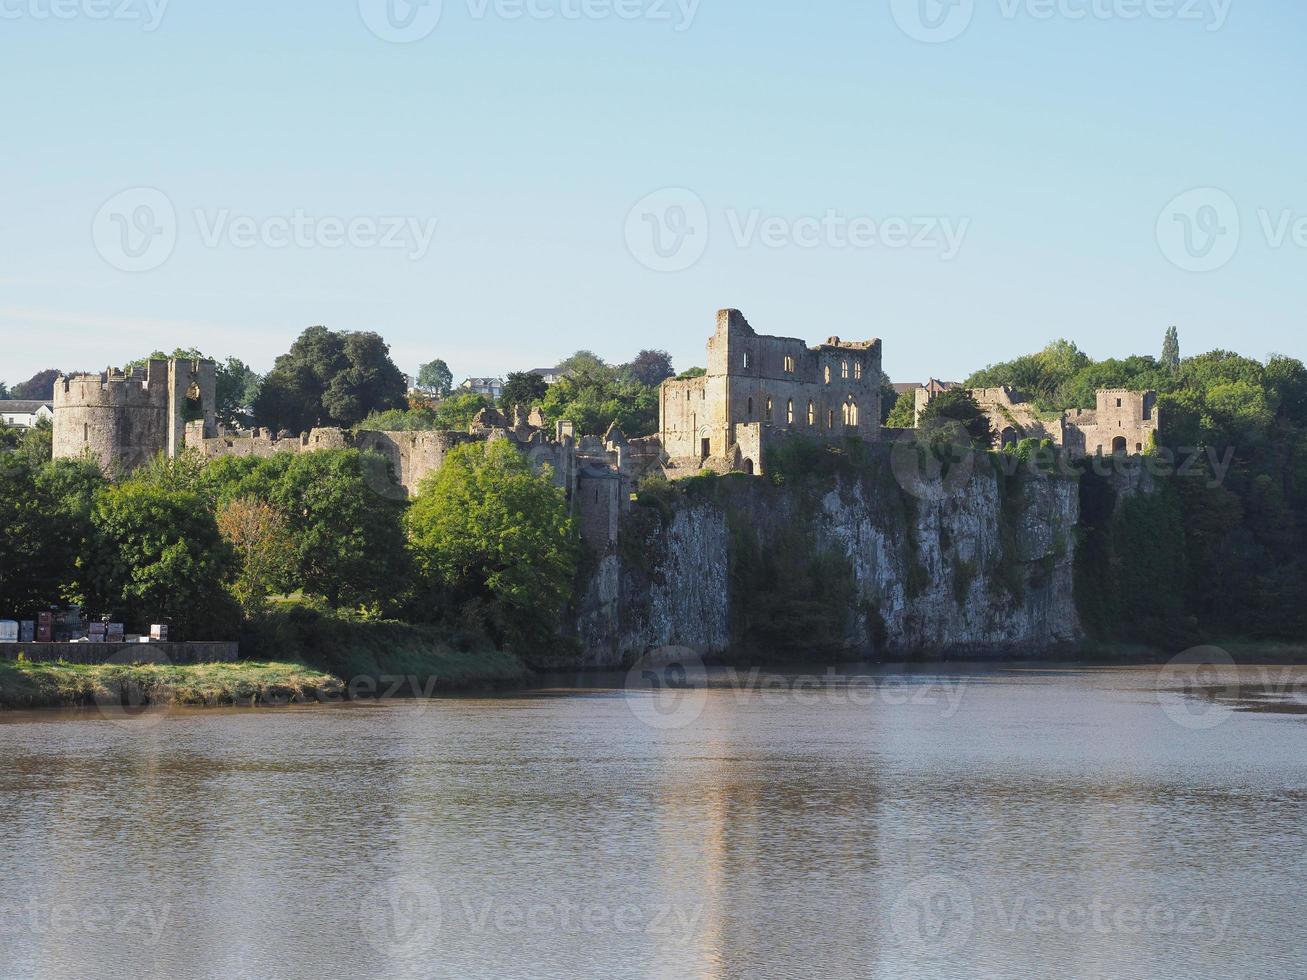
(124,419)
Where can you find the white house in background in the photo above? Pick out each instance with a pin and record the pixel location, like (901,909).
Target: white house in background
(486,387)
(551,375)
(25,414)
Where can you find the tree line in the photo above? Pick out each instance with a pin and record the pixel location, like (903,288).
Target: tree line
(347,379)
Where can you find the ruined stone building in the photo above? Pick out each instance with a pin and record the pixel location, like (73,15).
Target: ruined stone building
(125,420)
(1124,421)
(759,390)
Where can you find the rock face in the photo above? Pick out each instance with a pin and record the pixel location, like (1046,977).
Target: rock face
(984,569)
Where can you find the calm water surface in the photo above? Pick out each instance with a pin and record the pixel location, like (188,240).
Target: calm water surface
(1016,823)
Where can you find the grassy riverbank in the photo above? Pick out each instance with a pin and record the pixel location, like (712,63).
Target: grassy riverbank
(28,684)
(426,659)
(296,655)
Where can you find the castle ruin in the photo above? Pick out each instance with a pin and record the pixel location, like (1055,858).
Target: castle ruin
(759,390)
(126,419)
(1124,421)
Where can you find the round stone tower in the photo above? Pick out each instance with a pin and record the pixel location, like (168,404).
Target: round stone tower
(122,420)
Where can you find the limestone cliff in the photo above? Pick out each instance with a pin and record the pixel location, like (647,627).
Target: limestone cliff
(847,565)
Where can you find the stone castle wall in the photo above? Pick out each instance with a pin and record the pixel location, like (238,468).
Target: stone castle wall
(760,388)
(1125,421)
(125,420)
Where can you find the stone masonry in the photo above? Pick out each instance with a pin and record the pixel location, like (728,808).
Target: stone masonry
(759,390)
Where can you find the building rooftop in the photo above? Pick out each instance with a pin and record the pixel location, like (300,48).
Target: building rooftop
(22,406)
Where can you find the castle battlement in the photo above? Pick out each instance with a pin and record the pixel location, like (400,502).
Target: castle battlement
(125,419)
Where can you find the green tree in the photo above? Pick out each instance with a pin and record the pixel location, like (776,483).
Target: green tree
(491,534)
(265,550)
(523,390)
(39,387)
(904,413)
(4,391)
(159,558)
(436,378)
(236,390)
(583,366)
(1170,359)
(329,379)
(692,373)
(344,514)
(957,411)
(651,367)
(38,539)
(456,412)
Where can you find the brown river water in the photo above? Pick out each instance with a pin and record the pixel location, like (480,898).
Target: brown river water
(969,822)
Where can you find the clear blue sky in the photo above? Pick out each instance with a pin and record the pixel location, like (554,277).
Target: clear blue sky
(1055,142)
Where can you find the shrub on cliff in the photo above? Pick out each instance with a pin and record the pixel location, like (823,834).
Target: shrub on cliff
(492,538)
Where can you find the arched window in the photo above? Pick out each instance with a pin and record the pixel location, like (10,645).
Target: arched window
(845,409)
(857,370)
(830,419)
(687,394)
(844,370)
(789,365)
(789,412)
(812,414)
(746,360)
(853,413)
(828,374)
(768,409)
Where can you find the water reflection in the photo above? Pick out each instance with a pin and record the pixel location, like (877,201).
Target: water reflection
(1043,822)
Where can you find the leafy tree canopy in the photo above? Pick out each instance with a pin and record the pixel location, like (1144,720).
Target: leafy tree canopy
(491,534)
(329,378)
(523,390)
(39,387)
(159,557)
(956,410)
(651,367)
(436,378)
